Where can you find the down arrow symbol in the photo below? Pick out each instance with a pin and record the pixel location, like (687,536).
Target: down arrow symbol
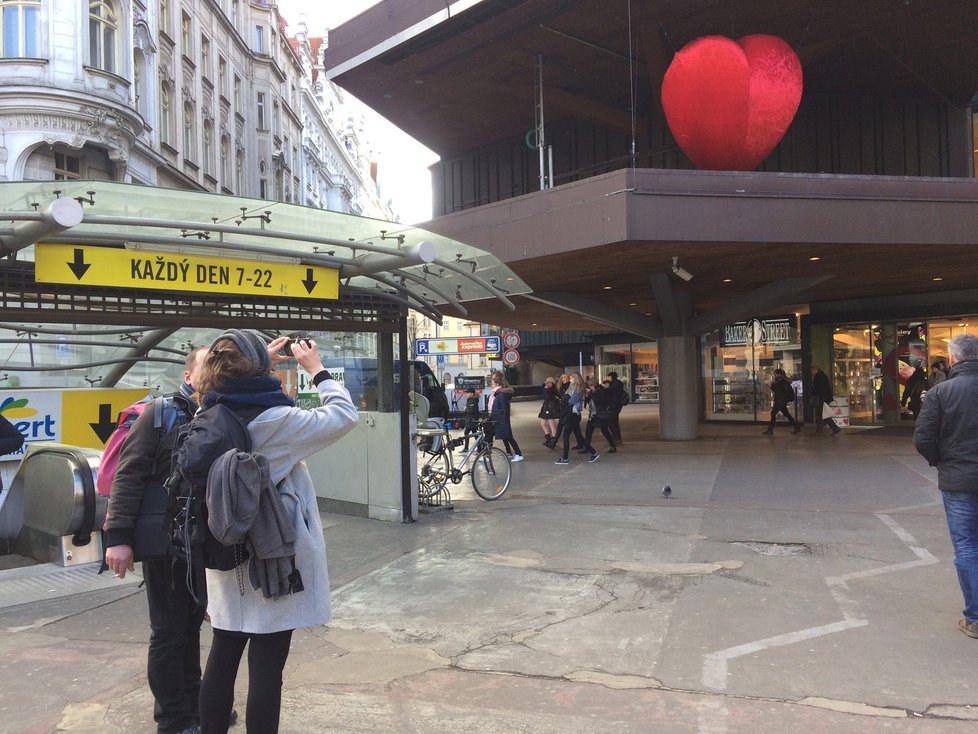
(309,283)
(79,267)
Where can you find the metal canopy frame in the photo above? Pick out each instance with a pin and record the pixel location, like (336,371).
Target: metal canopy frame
(378,262)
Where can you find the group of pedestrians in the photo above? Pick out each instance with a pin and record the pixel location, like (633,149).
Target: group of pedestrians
(783,394)
(564,401)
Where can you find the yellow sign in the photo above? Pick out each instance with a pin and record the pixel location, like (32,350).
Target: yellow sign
(121,268)
(88,417)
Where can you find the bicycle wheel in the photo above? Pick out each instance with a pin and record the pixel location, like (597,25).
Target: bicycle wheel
(491,474)
(433,475)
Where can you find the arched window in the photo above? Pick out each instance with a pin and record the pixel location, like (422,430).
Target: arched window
(19,22)
(102,25)
(166,114)
(239,173)
(188,131)
(225,160)
(139,82)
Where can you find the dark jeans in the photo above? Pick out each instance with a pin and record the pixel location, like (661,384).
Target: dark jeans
(783,409)
(512,448)
(572,424)
(613,425)
(266,660)
(173,663)
(596,423)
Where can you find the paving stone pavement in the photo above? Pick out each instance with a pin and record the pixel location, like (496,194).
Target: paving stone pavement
(791,584)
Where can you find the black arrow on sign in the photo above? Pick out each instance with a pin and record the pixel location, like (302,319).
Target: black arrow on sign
(309,283)
(79,267)
(103,429)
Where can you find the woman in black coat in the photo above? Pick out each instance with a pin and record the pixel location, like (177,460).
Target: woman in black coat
(498,406)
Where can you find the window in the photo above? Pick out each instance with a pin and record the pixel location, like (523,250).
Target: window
(165,16)
(259,39)
(260,110)
(185,36)
(225,159)
(188,131)
(208,148)
(222,76)
(166,114)
(205,57)
(66,166)
(139,82)
(102,24)
(239,173)
(237,94)
(262,188)
(19,21)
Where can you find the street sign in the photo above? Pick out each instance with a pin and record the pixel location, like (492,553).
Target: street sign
(511,357)
(459,345)
(172,271)
(511,340)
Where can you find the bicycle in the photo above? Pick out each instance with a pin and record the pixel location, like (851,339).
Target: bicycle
(490,471)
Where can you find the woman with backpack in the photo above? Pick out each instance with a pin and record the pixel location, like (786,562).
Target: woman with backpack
(237,373)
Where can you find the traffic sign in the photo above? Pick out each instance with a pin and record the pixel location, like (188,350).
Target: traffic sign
(173,271)
(456,345)
(511,340)
(511,357)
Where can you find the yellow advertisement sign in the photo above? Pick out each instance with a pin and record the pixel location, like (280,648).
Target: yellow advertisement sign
(121,268)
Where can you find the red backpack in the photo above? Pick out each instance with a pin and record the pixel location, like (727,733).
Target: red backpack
(164,414)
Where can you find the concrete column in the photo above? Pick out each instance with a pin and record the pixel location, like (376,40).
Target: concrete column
(679,381)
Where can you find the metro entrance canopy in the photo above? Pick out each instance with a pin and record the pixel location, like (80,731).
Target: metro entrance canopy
(117,236)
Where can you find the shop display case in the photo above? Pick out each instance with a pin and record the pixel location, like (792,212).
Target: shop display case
(646,385)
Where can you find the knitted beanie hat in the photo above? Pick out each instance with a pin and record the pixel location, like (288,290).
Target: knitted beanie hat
(251,344)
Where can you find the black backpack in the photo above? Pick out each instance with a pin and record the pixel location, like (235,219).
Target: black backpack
(199,443)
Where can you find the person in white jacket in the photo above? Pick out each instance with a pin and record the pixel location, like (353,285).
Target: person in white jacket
(237,373)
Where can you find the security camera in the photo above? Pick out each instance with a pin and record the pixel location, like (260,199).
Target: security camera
(681,272)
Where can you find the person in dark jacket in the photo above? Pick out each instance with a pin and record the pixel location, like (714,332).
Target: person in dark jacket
(471,414)
(599,415)
(946,435)
(782,393)
(912,391)
(498,407)
(617,399)
(10,439)
(822,395)
(549,412)
(173,665)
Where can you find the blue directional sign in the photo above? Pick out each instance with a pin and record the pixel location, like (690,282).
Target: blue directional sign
(457,345)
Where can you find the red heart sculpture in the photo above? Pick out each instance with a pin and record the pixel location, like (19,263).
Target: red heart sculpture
(729,103)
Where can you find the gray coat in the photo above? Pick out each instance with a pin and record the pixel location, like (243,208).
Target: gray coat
(286,436)
(946,433)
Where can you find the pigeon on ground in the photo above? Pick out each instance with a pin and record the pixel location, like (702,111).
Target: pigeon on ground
(667,491)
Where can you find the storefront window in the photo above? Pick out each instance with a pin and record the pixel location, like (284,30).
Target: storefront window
(739,362)
(637,366)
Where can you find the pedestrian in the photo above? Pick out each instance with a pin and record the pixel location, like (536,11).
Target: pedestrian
(471,414)
(913,391)
(938,372)
(237,374)
(499,412)
(563,384)
(173,659)
(822,396)
(946,435)
(572,403)
(599,413)
(782,393)
(617,399)
(549,411)
(10,439)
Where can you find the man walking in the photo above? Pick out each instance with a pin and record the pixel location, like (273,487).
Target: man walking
(946,435)
(822,395)
(617,399)
(173,666)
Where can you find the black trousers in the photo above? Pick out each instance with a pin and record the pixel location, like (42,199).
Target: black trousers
(173,663)
(597,423)
(266,661)
(613,425)
(572,424)
(783,409)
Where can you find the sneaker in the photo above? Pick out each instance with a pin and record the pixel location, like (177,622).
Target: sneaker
(561,461)
(518,457)
(509,456)
(594,458)
(969,628)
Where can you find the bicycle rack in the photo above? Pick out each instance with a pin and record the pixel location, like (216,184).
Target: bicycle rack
(440,500)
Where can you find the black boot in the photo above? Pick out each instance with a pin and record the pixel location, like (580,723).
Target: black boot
(546,441)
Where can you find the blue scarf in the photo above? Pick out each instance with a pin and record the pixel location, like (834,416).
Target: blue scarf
(249,392)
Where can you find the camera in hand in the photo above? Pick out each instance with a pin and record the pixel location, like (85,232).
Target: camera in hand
(299,336)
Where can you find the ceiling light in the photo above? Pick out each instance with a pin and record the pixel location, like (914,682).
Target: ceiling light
(607,287)
(937,279)
(728,280)
(633,303)
(814,258)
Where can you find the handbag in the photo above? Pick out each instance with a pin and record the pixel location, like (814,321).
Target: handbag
(151,536)
(827,411)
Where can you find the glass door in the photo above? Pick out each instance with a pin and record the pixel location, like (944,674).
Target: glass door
(854,372)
